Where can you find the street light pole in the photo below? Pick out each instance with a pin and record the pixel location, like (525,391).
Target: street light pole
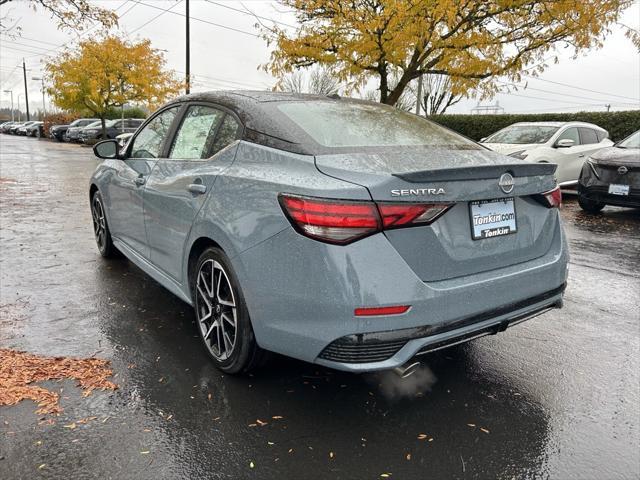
(11,92)
(26,93)
(44,107)
(188,52)
(19,111)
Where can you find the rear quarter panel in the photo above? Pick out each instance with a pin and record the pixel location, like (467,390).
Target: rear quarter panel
(243,211)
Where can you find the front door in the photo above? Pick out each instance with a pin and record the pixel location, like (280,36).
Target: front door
(126,190)
(569,159)
(179,184)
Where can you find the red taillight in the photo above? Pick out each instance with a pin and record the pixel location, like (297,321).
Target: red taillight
(343,221)
(371,311)
(395,215)
(553,198)
(334,221)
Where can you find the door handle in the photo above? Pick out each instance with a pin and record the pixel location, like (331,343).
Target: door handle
(140,180)
(581,155)
(197,188)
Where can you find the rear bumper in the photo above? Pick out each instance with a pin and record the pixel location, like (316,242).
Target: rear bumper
(301,296)
(383,350)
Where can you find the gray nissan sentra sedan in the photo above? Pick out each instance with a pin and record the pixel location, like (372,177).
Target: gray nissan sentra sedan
(340,232)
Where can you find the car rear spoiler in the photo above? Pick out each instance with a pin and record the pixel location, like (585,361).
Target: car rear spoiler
(478,172)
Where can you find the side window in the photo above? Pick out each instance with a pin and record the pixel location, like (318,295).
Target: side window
(571,134)
(588,136)
(197,133)
(227,134)
(602,135)
(148,143)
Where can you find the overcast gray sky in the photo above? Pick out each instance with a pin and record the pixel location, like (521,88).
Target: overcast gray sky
(226,53)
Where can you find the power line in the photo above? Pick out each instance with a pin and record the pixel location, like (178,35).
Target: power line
(226,27)
(527,87)
(155,18)
(33,47)
(22,37)
(581,88)
(245,12)
(543,99)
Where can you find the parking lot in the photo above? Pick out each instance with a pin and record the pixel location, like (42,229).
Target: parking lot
(556,397)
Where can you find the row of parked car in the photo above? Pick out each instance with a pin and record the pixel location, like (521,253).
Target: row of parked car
(27,129)
(82,130)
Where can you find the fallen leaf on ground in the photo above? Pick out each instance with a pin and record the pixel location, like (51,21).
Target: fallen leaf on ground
(277,417)
(422,436)
(144,452)
(251,465)
(18,370)
(260,422)
(484,430)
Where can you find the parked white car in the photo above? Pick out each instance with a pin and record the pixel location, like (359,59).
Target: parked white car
(567,144)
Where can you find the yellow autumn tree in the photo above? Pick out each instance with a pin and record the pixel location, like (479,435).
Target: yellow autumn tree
(110,72)
(471,41)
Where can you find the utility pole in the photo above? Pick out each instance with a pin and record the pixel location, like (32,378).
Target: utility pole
(26,94)
(19,111)
(44,107)
(419,95)
(11,92)
(188,43)
(608,105)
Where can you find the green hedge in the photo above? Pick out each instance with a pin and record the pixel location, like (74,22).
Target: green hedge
(132,112)
(618,124)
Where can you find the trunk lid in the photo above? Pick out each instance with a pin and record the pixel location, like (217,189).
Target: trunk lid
(445,249)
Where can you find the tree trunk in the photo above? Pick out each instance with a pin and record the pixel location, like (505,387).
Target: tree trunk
(395,95)
(104,128)
(384,84)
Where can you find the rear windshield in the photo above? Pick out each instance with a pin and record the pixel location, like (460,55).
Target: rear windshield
(343,124)
(521,134)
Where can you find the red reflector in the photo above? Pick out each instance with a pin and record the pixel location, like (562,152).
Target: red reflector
(370,311)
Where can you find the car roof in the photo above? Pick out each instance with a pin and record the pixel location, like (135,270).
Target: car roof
(255,109)
(558,124)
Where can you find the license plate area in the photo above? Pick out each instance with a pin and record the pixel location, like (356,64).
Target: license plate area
(618,189)
(492,218)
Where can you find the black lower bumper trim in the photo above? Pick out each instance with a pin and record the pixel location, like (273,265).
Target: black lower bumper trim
(379,346)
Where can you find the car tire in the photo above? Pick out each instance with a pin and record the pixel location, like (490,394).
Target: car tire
(222,317)
(101,227)
(590,206)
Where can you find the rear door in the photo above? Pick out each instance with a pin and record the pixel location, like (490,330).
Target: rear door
(179,183)
(126,187)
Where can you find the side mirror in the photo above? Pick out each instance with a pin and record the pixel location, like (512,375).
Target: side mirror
(565,143)
(107,149)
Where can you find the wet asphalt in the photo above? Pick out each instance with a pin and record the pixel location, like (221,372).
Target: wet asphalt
(555,397)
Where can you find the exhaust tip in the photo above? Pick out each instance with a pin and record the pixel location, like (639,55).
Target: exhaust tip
(407,369)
